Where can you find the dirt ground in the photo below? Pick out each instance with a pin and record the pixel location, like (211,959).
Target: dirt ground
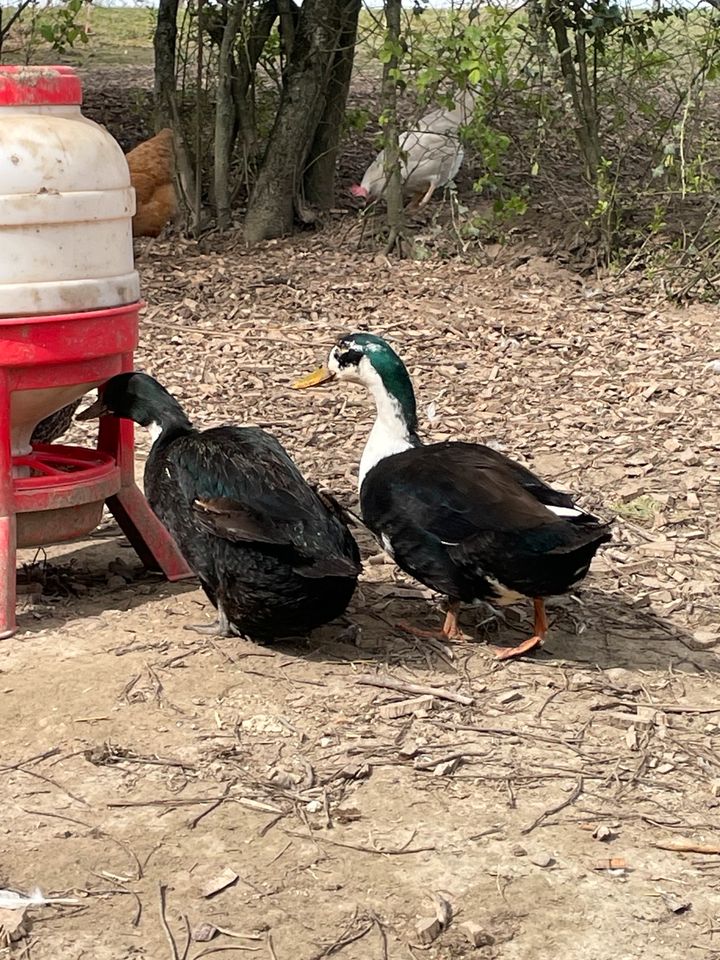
(177,788)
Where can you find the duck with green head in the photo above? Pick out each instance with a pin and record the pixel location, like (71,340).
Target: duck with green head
(459,517)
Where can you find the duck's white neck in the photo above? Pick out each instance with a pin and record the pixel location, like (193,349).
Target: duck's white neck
(390,433)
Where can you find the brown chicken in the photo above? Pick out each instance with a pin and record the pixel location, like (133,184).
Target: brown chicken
(151,173)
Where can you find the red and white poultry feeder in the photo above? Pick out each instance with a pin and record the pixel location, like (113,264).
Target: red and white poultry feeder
(69,304)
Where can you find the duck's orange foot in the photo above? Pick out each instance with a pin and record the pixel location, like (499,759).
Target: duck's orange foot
(507,653)
(450,631)
(414,631)
(417,632)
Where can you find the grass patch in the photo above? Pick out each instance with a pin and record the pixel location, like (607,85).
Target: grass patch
(641,509)
(116,36)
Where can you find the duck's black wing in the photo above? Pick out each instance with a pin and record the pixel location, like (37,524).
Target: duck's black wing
(453,513)
(539,489)
(243,487)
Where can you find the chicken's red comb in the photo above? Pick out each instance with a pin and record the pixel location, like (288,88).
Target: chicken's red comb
(357,191)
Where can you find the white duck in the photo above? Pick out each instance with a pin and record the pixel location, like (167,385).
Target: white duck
(431,155)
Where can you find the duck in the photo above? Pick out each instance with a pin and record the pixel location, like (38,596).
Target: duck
(272,557)
(56,424)
(462,518)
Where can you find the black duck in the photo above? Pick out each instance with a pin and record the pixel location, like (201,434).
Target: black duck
(270,555)
(459,517)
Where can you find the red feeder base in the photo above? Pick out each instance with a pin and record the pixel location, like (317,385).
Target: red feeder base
(56,493)
(62,499)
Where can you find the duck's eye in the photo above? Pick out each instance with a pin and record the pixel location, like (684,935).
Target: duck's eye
(351,358)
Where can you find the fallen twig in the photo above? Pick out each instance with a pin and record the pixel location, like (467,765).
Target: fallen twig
(388,683)
(383,935)
(687,846)
(504,731)
(54,783)
(213,806)
(123,891)
(269,945)
(390,851)
(163,803)
(460,755)
(206,953)
(557,808)
(163,921)
(36,759)
(188,937)
(344,941)
(96,830)
(663,707)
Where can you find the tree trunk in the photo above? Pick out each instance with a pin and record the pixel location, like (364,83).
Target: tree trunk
(577,85)
(391,146)
(243,80)
(167,113)
(272,203)
(164,43)
(288,12)
(320,172)
(199,68)
(225,115)
(6,26)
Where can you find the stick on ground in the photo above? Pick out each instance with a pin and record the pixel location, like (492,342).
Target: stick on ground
(388,683)
(557,808)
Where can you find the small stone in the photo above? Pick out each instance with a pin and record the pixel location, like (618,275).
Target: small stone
(226,878)
(603,832)
(542,860)
(408,749)
(580,680)
(519,851)
(428,929)
(475,934)
(116,582)
(314,806)
(715,787)
(204,932)
(378,559)
(625,679)
(403,708)
(446,768)
(705,639)
(509,697)
(122,569)
(262,723)
(675,904)
(614,865)
(283,779)
(645,716)
(443,910)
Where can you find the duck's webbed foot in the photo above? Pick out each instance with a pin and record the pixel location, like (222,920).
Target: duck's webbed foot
(532,643)
(220,628)
(450,630)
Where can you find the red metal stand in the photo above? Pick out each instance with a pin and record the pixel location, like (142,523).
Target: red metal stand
(62,497)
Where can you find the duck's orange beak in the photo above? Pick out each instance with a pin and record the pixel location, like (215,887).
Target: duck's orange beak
(321,375)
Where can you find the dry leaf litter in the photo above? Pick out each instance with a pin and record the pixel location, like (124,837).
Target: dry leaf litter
(185,790)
